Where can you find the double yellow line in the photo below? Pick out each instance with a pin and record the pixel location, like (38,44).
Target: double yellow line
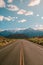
(21,55)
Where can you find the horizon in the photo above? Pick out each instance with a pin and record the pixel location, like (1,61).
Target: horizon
(21,32)
(18,29)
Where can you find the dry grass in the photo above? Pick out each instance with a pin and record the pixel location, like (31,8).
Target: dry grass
(5,41)
(36,40)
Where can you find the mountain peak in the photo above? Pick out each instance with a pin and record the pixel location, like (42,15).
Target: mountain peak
(26,31)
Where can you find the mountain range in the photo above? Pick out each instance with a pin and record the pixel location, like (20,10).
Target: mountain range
(24,33)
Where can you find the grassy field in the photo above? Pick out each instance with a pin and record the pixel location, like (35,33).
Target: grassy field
(5,41)
(38,40)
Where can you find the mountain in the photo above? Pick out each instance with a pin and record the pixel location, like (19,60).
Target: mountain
(30,32)
(33,33)
(7,32)
(23,33)
(17,36)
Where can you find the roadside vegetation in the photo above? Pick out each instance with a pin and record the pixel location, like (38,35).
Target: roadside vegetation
(38,40)
(5,41)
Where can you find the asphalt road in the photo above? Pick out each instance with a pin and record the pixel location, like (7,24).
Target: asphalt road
(21,52)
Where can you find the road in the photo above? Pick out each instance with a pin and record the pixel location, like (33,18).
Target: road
(21,52)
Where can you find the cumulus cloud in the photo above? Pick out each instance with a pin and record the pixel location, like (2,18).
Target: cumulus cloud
(21,11)
(10,1)
(22,21)
(29,13)
(37,15)
(1,18)
(41,17)
(20,29)
(12,7)
(9,18)
(2,3)
(34,2)
(1,30)
(38,27)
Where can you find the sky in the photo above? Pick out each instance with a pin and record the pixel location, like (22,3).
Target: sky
(21,14)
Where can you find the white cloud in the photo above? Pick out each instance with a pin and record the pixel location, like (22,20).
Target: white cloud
(29,13)
(34,2)
(38,27)
(10,1)
(1,30)
(22,21)
(12,8)
(2,3)
(19,29)
(21,11)
(41,17)
(1,18)
(9,18)
(37,15)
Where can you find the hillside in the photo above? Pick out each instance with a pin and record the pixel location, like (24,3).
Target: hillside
(17,36)
(5,41)
(22,33)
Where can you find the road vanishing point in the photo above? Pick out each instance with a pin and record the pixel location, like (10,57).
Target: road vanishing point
(21,52)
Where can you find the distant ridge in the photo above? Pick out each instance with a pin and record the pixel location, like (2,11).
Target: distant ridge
(23,33)
(17,36)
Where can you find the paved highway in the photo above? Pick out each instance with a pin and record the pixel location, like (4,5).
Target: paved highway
(21,52)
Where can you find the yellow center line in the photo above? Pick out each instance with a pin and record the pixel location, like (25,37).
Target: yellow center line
(21,56)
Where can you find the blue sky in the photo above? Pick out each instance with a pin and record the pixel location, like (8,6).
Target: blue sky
(21,14)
